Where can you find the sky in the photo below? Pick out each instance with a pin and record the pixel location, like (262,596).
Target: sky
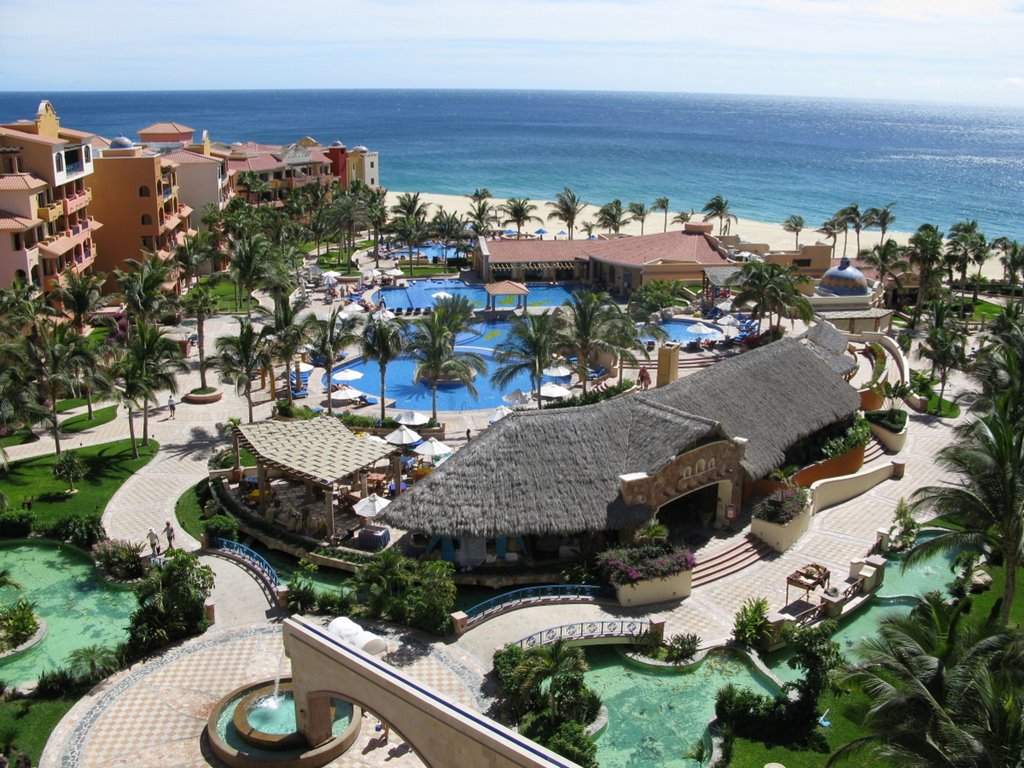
(924,50)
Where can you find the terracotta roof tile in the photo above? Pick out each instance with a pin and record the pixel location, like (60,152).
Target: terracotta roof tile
(12,222)
(185,157)
(12,182)
(517,251)
(166,128)
(13,130)
(666,246)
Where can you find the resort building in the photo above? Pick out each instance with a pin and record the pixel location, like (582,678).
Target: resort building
(539,483)
(45,222)
(356,164)
(279,169)
(137,191)
(623,264)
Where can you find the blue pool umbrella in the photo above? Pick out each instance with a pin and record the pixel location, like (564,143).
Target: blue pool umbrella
(563,233)
(540,232)
(510,232)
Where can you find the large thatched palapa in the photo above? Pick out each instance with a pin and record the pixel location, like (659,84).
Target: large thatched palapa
(561,471)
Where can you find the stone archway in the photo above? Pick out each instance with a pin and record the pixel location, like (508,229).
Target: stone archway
(699,509)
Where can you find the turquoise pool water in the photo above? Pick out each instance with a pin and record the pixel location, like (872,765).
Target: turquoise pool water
(679,330)
(279,721)
(79,607)
(420,293)
(655,717)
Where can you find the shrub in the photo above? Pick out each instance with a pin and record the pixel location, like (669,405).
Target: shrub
(337,602)
(506,660)
(750,625)
(171,603)
(681,649)
(893,420)
(356,421)
(878,362)
(905,341)
(18,623)
(301,595)
(857,435)
(83,532)
(592,396)
(93,663)
(222,527)
(781,507)
(629,565)
(16,525)
(749,714)
(293,410)
(121,559)
(56,683)
(648,644)
(571,741)
(68,467)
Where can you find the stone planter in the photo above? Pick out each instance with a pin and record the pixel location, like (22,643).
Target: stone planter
(871,399)
(197,399)
(781,537)
(893,441)
(655,590)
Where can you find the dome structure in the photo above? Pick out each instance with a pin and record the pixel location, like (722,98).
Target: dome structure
(122,142)
(338,144)
(844,280)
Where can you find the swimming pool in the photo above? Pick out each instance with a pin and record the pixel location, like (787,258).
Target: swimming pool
(654,717)
(679,330)
(79,607)
(420,293)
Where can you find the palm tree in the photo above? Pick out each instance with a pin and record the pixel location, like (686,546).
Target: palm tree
(925,252)
(588,228)
(718,208)
(240,358)
(625,338)
(639,212)
(772,289)
(1012,259)
(887,259)
(566,208)
(413,231)
(529,347)
(432,346)
(384,578)
(831,229)
(348,215)
(129,387)
(158,357)
(290,334)
(80,294)
(944,346)
(449,228)
(254,186)
(852,217)
(592,321)
(549,664)
(883,218)
(480,216)
(480,195)
(409,206)
(250,255)
(142,289)
(794,224)
(93,662)
(382,339)
(987,497)
(328,337)
(201,304)
(612,216)
(683,217)
(519,211)
(661,204)
(193,252)
(56,356)
(377,218)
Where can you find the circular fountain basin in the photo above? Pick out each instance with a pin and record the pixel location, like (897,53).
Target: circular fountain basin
(253,727)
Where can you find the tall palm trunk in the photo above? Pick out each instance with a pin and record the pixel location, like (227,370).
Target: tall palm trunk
(202,355)
(131,431)
(433,401)
(53,416)
(383,377)
(88,402)
(248,399)
(145,422)
(1010,589)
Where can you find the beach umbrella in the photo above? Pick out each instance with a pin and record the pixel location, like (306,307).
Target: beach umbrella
(725,306)
(345,374)
(518,397)
(703,330)
(441,295)
(563,233)
(372,438)
(394,272)
(304,367)
(510,232)
(558,371)
(728,321)
(403,436)
(412,418)
(383,315)
(432,447)
(371,506)
(372,273)
(346,393)
(330,282)
(541,231)
(331,275)
(554,391)
(499,413)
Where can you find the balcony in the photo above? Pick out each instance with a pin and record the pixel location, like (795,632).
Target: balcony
(78,201)
(51,212)
(72,168)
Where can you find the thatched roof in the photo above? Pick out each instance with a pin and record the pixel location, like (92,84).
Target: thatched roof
(321,450)
(830,345)
(545,472)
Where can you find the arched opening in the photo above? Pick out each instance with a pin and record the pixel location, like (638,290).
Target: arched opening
(691,517)
(146,219)
(59,160)
(20,278)
(143,191)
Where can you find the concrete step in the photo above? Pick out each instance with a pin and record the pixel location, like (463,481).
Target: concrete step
(874,450)
(730,561)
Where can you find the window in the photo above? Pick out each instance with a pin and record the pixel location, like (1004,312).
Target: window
(88,154)
(372,181)
(143,191)
(371,163)
(16,241)
(801,262)
(59,159)
(146,219)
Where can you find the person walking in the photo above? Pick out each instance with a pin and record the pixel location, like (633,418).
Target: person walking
(169,533)
(154,542)
(171,404)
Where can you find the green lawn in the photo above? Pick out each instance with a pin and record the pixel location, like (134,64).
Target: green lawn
(189,509)
(32,721)
(944,410)
(82,422)
(986,310)
(63,406)
(108,466)
(20,437)
(223,290)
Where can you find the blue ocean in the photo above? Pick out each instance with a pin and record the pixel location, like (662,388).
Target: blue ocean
(770,156)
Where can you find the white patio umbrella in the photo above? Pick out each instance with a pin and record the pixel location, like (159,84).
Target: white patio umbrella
(371,506)
(345,374)
(554,391)
(558,370)
(304,367)
(403,436)
(394,272)
(346,393)
(499,413)
(412,418)
(518,397)
(703,330)
(330,282)
(383,315)
(372,273)
(729,321)
(331,275)
(432,448)
(725,306)
(441,295)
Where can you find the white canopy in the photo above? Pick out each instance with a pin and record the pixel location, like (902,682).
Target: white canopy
(403,436)
(346,393)
(345,374)
(394,272)
(518,397)
(499,413)
(703,330)
(412,418)
(383,315)
(371,506)
(558,370)
(554,391)
(432,447)
(331,274)
(441,295)
(304,367)
(729,321)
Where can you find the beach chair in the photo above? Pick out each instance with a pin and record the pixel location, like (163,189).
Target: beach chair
(299,394)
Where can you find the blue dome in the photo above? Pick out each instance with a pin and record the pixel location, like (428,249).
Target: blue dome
(122,142)
(844,280)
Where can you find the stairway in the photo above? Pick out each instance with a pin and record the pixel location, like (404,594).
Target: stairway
(729,561)
(873,450)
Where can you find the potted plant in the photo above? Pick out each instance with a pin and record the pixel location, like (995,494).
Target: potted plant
(651,573)
(780,519)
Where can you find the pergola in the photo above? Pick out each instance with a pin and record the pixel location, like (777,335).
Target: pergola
(715,279)
(506,288)
(321,453)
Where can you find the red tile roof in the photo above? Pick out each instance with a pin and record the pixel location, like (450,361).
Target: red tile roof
(15,130)
(517,251)
(264,162)
(635,251)
(166,128)
(12,222)
(12,182)
(185,157)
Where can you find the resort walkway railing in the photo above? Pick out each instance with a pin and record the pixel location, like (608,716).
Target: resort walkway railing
(249,558)
(589,632)
(522,598)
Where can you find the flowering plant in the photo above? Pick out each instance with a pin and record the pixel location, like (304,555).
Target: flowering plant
(629,565)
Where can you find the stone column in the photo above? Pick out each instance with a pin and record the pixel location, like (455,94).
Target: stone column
(262,484)
(329,496)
